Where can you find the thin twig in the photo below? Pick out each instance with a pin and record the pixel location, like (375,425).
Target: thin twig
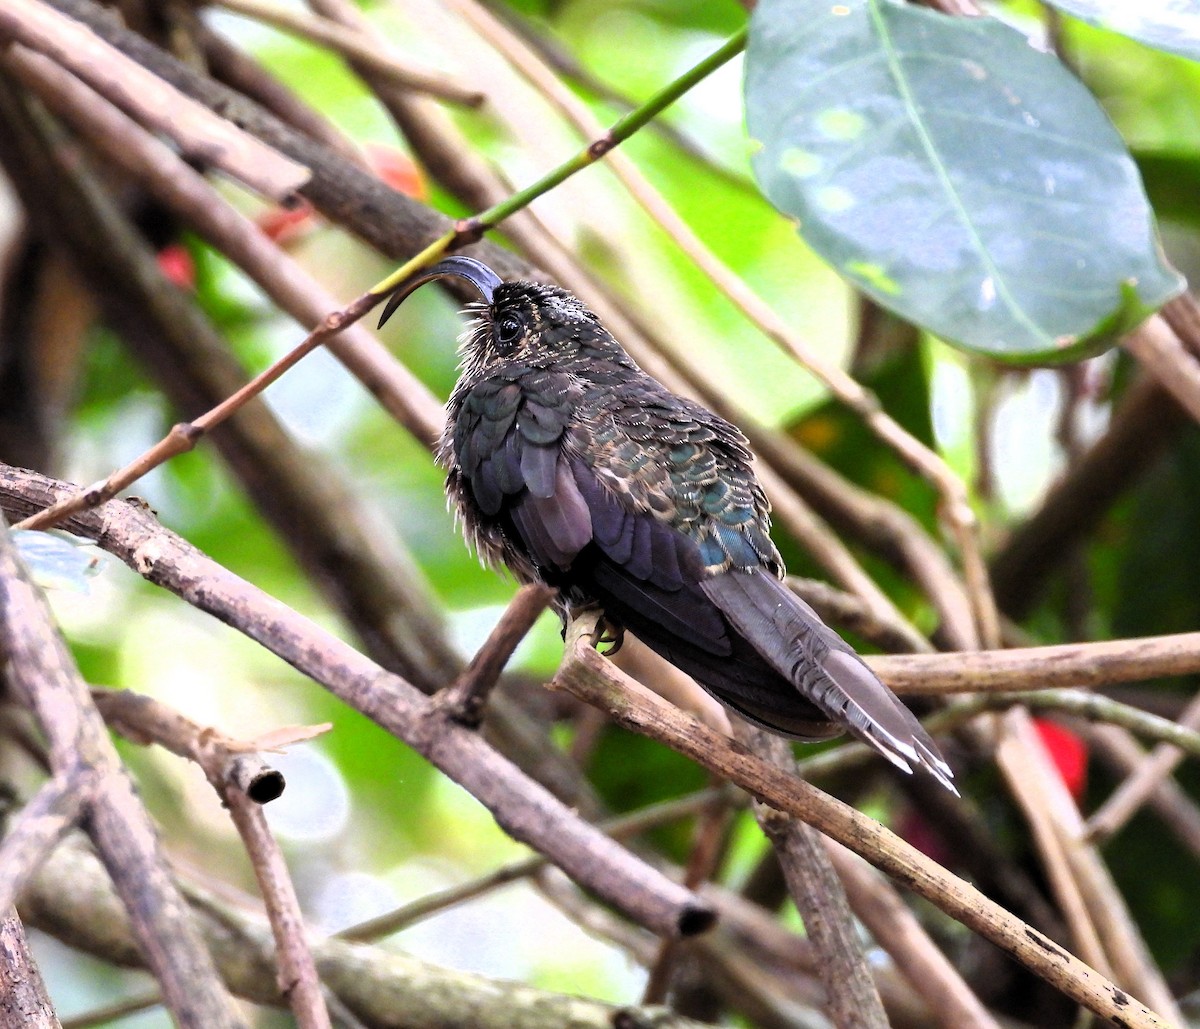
(111,1012)
(358,46)
(1092,706)
(708,838)
(297,974)
(466,698)
(199,133)
(1177,812)
(620,827)
(898,931)
(1177,369)
(1124,802)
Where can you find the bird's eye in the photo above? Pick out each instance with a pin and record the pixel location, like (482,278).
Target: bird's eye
(509,330)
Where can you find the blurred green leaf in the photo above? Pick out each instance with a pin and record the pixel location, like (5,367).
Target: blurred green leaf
(957,175)
(1172,25)
(1173,184)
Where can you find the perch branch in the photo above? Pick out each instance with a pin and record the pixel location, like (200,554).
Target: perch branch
(522,807)
(594,680)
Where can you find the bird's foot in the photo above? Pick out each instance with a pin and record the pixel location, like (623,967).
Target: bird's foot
(610,634)
(606,632)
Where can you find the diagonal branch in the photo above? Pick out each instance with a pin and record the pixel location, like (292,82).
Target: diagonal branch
(40,669)
(39,826)
(523,808)
(198,133)
(594,680)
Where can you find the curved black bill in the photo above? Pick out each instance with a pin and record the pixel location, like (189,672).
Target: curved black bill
(475,272)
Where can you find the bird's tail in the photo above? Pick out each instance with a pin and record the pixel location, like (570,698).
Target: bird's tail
(793,640)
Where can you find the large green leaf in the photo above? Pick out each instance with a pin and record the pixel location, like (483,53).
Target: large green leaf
(1172,25)
(957,175)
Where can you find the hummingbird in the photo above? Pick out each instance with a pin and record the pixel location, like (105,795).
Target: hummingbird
(570,466)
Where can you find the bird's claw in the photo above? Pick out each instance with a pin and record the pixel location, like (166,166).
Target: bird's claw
(611,634)
(605,632)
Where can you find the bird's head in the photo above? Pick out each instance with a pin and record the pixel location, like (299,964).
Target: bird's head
(514,321)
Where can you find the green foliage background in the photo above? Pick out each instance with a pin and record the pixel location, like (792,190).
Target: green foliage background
(376,825)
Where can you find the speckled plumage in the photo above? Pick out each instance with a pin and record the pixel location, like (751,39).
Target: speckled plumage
(571,466)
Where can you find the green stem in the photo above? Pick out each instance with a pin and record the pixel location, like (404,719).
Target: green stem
(472,229)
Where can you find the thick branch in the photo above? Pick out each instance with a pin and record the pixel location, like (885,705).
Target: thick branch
(24,1002)
(198,133)
(70,899)
(1091,665)
(594,680)
(39,667)
(523,808)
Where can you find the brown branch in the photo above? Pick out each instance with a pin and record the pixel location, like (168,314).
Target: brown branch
(155,103)
(39,826)
(465,700)
(70,899)
(223,758)
(522,807)
(596,681)
(24,1002)
(357,45)
(1176,810)
(231,66)
(297,975)
(1132,962)
(39,667)
(1163,354)
(1027,772)
(851,998)
(1131,794)
(1143,425)
(896,929)
(1090,665)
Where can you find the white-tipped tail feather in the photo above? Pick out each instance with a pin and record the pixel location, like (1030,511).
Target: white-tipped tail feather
(791,637)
